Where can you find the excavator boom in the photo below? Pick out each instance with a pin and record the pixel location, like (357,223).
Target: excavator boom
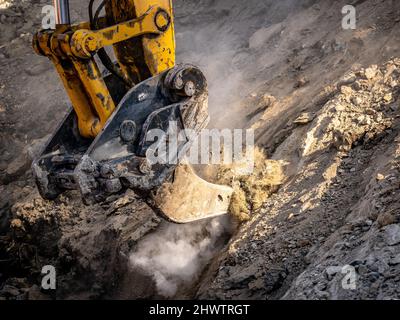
(102,146)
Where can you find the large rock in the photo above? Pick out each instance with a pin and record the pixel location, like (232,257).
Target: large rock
(392,234)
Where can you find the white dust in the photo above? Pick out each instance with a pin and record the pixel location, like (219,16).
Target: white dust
(175,255)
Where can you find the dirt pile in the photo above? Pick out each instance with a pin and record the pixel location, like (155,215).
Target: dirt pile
(251,189)
(89,246)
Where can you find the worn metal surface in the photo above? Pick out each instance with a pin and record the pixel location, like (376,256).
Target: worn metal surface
(143,37)
(82,79)
(141,57)
(86,42)
(153,104)
(104,144)
(187,197)
(118,158)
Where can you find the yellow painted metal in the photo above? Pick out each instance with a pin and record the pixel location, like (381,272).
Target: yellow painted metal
(159,52)
(95,88)
(82,81)
(144,56)
(143,39)
(46,43)
(89,123)
(85,42)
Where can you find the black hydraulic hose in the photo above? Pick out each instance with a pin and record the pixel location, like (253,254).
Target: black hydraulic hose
(96,15)
(103,56)
(91,13)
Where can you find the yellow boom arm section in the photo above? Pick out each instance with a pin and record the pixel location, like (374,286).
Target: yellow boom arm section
(142,36)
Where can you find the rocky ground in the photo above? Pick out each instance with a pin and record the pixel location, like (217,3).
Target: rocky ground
(324,102)
(339,209)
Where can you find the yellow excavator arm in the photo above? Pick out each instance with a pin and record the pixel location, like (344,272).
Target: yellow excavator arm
(101,147)
(72,50)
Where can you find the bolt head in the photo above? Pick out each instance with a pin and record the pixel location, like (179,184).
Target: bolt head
(128,131)
(190,89)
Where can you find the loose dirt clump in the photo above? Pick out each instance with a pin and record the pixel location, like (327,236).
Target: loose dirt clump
(251,188)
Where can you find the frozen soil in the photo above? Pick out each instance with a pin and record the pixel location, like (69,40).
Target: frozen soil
(324,101)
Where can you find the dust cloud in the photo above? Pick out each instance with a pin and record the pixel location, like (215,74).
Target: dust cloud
(215,36)
(225,81)
(175,255)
